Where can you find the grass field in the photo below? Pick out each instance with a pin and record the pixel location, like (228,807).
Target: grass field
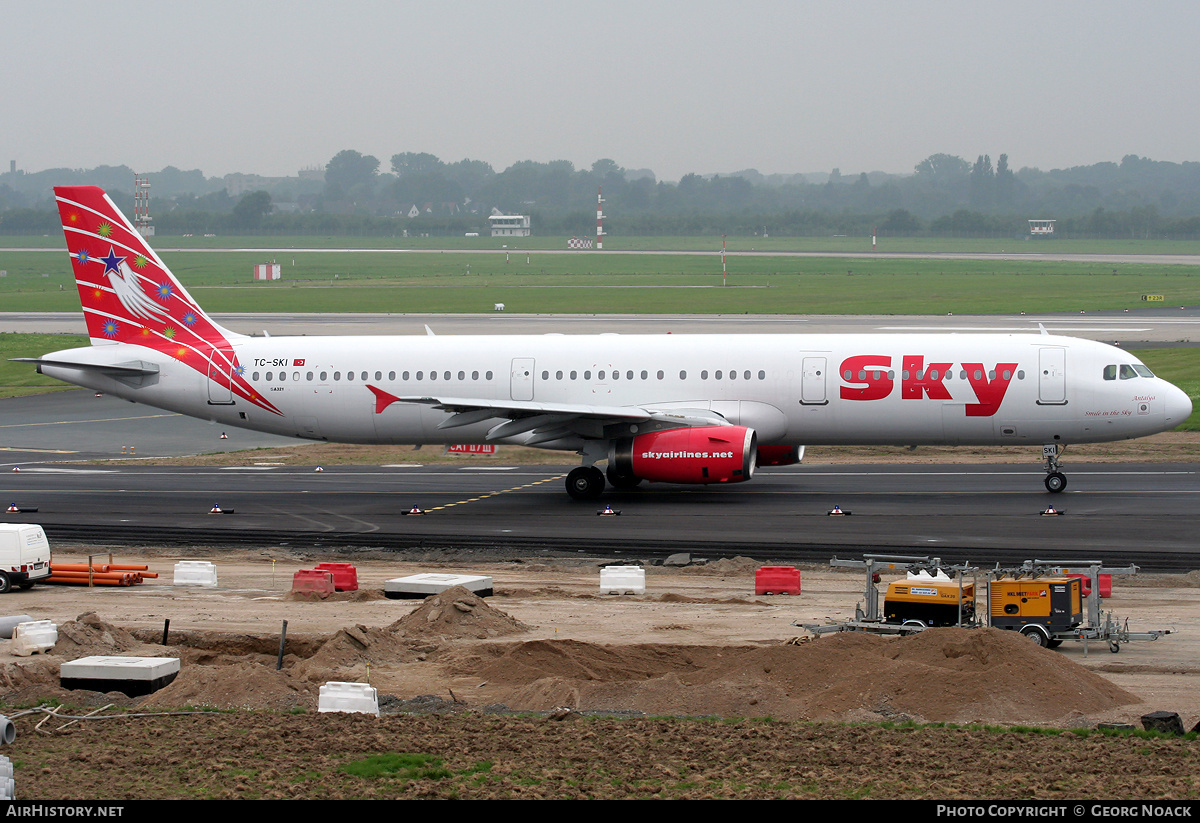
(735,244)
(559,282)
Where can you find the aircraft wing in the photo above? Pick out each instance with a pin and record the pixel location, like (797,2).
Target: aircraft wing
(546,421)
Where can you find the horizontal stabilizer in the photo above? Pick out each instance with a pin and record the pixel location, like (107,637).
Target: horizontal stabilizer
(130,367)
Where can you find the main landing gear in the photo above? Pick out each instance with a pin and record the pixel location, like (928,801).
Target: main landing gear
(1056,481)
(585,483)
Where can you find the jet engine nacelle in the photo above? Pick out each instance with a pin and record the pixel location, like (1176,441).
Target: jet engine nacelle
(702,454)
(780,455)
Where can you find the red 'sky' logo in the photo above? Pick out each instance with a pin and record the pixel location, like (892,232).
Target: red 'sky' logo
(869,378)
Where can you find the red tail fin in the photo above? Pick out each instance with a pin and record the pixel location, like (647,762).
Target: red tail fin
(130,296)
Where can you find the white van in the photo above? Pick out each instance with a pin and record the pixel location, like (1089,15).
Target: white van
(24,555)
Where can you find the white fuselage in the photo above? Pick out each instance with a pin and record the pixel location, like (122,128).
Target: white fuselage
(791,389)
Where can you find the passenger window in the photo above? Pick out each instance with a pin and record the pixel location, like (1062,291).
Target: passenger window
(704,374)
(269,378)
(629,375)
(337,375)
(683,375)
(392,376)
(488,376)
(282,376)
(308,376)
(349,375)
(474,375)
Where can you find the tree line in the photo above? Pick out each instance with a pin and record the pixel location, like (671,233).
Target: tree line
(420,193)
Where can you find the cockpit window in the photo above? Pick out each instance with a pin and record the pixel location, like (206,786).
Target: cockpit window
(1127,372)
(1142,370)
(1110,372)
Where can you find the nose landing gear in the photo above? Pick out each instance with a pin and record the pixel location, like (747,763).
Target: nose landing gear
(1056,481)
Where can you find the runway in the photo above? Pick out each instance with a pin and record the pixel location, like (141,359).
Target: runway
(1142,513)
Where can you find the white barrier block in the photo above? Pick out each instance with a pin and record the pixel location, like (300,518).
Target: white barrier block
(622,580)
(358,698)
(423,585)
(195,573)
(33,637)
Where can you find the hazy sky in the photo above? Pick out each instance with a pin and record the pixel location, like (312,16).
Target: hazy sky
(271,87)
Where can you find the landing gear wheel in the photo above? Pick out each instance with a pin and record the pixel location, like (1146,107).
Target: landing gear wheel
(1036,636)
(585,483)
(622,482)
(1056,482)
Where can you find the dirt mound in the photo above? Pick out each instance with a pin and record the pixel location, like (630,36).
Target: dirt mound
(726,566)
(239,686)
(88,635)
(454,613)
(938,675)
(351,652)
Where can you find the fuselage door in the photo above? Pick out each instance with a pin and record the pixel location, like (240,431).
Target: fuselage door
(1052,376)
(812,382)
(220,380)
(521,387)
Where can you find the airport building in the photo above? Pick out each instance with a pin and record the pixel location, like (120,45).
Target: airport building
(509,225)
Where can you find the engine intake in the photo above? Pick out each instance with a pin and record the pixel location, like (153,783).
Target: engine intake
(702,454)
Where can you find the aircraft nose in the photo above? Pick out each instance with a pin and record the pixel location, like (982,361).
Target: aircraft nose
(1178,405)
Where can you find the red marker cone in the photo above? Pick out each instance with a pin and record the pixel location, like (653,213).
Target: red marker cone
(13,509)
(16,468)
(607,511)
(416,510)
(224,436)
(318,469)
(215,509)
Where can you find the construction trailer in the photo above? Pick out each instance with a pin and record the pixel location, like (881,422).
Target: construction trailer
(1042,602)
(1039,599)
(932,594)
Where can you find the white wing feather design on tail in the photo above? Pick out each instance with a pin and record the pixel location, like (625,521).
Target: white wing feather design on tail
(126,284)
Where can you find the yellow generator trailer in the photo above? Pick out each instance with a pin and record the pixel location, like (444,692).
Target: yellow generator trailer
(929,601)
(1038,607)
